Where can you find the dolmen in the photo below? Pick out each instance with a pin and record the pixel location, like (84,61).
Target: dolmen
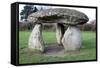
(70,38)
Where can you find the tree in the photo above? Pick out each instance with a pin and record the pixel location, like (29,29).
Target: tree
(28,9)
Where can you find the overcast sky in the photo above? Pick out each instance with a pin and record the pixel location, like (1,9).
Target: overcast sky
(91,13)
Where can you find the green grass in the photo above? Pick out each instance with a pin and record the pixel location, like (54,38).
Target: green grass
(88,52)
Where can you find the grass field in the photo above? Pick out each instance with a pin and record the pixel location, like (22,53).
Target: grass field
(88,52)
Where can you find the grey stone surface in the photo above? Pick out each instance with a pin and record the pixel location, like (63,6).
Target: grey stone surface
(58,15)
(35,40)
(59,33)
(72,39)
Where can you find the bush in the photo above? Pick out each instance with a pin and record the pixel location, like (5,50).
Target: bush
(25,26)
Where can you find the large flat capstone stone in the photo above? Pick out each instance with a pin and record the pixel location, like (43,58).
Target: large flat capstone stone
(58,15)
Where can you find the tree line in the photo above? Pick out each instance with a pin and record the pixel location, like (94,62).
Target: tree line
(50,26)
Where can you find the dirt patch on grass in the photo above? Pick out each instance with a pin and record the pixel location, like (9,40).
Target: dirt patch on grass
(56,50)
(52,50)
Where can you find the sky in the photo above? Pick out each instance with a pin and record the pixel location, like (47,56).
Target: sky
(91,13)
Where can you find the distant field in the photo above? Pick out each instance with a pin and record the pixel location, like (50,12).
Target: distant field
(88,52)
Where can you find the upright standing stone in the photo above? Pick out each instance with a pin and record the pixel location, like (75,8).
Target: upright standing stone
(72,38)
(59,32)
(35,39)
